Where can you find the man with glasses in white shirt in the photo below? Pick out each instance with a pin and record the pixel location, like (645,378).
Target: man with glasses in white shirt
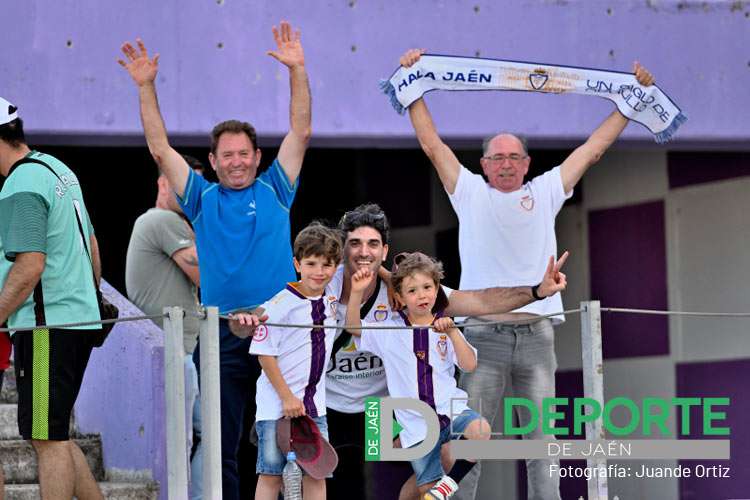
(505,237)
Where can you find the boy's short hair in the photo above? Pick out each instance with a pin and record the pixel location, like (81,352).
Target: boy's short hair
(318,239)
(407,264)
(369,215)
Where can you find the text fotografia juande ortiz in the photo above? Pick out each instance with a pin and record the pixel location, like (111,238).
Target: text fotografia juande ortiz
(641,472)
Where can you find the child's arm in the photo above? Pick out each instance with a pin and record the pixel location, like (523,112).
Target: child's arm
(291,405)
(360,281)
(466,357)
(243,324)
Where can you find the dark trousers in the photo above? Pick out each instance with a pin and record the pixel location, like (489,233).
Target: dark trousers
(238,374)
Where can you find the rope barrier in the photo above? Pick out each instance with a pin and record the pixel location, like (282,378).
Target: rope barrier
(83,323)
(202,315)
(674,313)
(381,327)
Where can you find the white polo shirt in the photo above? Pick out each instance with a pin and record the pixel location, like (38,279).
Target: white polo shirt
(301,353)
(506,239)
(419,363)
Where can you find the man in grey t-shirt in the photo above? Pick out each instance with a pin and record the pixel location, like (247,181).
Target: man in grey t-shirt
(162,263)
(162,270)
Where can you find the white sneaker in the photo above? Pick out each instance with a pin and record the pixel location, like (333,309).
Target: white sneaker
(443,489)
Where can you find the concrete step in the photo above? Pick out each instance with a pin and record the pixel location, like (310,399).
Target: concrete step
(9,421)
(8,393)
(111,491)
(18,459)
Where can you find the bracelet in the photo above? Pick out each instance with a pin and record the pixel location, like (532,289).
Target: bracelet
(535,292)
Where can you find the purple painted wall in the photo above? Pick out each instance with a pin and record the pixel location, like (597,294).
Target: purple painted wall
(122,397)
(628,268)
(690,168)
(719,379)
(58,64)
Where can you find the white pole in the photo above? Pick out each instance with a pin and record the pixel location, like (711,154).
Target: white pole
(174,388)
(210,404)
(593,387)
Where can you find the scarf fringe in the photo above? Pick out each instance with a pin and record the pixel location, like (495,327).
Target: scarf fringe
(388,89)
(666,135)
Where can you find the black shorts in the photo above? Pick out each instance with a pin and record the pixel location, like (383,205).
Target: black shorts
(49,370)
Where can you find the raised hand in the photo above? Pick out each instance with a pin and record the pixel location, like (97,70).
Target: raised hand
(410,57)
(443,325)
(288,46)
(142,69)
(643,75)
(361,280)
(554,281)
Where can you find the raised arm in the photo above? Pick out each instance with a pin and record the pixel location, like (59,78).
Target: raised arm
(143,72)
(360,281)
(499,300)
(289,53)
(441,156)
(587,154)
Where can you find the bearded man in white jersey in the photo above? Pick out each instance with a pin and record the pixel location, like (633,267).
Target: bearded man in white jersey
(354,375)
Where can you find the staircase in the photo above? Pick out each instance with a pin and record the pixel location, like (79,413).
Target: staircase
(19,460)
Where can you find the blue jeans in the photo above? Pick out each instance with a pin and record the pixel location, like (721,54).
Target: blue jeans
(428,468)
(521,357)
(271,460)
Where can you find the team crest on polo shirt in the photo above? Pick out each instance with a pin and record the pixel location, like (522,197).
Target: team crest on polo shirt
(381,312)
(333,303)
(442,346)
(420,355)
(261,333)
(527,203)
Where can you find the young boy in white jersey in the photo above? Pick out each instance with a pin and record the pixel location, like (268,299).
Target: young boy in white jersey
(420,363)
(294,359)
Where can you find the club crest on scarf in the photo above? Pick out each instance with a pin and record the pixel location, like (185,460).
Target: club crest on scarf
(538,78)
(381,312)
(442,346)
(420,355)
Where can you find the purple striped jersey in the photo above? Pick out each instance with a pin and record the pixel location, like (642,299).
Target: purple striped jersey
(419,363)
(301,353)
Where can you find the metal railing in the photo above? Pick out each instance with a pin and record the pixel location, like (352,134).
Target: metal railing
(210,400)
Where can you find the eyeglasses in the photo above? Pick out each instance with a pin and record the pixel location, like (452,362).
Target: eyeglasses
(513,158)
